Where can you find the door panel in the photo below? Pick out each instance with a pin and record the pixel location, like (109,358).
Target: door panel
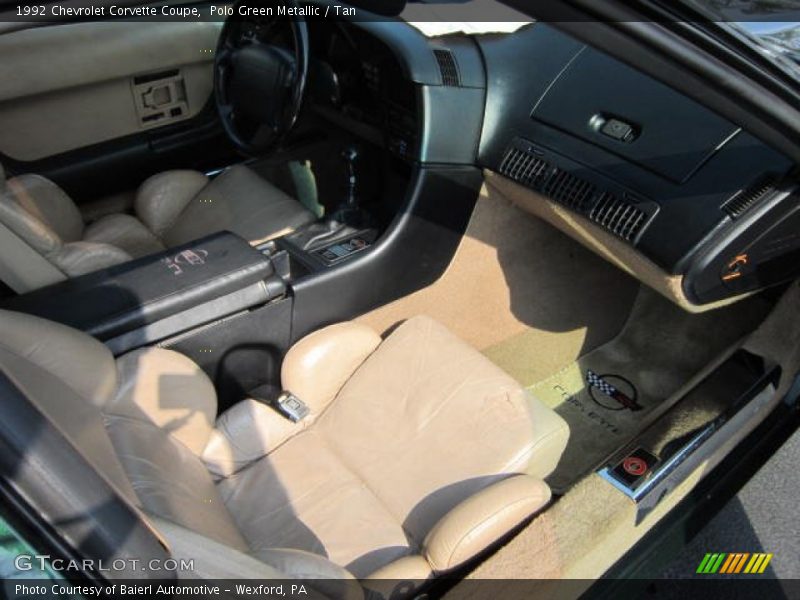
(71,86)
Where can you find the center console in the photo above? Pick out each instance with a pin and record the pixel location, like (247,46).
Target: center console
(150,299)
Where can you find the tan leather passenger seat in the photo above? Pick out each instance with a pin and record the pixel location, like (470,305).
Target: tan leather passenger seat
(43,238)
(417,454)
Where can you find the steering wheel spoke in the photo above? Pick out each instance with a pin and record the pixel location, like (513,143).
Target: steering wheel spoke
(259,87)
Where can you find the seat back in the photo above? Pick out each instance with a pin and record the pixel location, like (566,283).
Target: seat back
(36,219)
(142,421)
(41,231)
(39,212)
(145,443)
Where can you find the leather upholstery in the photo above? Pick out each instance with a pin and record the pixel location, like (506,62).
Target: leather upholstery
(172,208)
(421,393)
(245,433)
(79,258)
(418,461)
(481,519)
(240,201)
(162,198)
(171,390)
(40,213)
(317,367)
(125,232)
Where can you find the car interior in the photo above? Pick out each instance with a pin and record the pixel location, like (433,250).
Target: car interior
(350,300)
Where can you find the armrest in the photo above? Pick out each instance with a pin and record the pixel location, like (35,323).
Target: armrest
(129,296)
(482,519)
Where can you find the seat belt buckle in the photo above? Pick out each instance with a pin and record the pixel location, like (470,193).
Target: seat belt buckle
(291,407)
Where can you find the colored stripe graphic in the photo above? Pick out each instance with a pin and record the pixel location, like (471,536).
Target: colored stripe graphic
(758,564)
(711,563)
(733,563)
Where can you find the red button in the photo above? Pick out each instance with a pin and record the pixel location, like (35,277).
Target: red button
(635,466)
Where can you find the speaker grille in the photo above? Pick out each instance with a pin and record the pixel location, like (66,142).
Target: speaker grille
(448,68)
(740,202)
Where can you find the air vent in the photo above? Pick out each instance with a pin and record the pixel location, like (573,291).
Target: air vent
(525,168)
(619,217)
(748,197)
(448,68)
(571,191)
(526,165)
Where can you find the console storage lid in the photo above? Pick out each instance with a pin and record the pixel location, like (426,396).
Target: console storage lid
(127,297)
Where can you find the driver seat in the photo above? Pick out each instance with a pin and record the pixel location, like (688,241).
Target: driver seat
(43,238)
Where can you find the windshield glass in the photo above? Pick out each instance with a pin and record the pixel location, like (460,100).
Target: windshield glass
(771,26)
(779,40)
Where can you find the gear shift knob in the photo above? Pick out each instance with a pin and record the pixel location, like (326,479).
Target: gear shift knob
(350,154)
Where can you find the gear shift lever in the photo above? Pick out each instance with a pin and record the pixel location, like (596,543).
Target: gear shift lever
(346,216)
(349,211)
(350,155)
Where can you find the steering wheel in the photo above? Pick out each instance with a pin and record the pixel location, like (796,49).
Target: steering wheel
(259,86)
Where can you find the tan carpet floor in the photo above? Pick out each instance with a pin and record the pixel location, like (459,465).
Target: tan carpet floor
(517,279)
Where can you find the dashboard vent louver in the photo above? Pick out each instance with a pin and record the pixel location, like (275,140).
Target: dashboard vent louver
(619,217)
(525,168)
(571,191)
(739,203)
(613,212)
(448,68)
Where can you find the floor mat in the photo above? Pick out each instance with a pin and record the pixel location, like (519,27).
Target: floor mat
(606,395)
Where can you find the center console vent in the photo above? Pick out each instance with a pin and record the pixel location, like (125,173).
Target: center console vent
(609,206)
(447,67)
(741,201)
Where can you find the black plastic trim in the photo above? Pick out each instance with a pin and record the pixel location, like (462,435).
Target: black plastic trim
(413,253)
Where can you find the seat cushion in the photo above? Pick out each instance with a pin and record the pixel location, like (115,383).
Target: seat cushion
(302,496)
(239,201)
(125,232)
(422,425)
(428,421)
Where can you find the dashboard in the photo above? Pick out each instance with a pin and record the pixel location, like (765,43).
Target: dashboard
(688,190)
(692,194)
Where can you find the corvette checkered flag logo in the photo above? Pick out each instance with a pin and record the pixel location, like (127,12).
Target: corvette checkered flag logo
(609,396)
